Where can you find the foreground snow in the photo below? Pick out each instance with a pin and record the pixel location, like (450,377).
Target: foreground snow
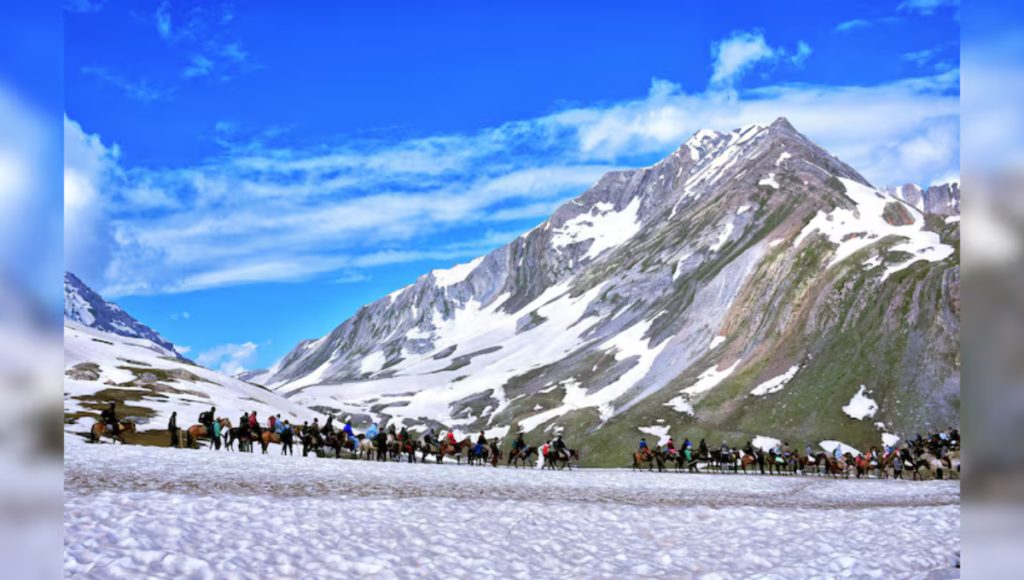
(170,513)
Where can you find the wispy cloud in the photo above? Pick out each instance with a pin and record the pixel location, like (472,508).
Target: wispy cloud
(234,52)
(351,277)
(200,67)
(163,20)
(229,359)
(852,25)
(926,6)
(139,90)
(84,5)
(260,213)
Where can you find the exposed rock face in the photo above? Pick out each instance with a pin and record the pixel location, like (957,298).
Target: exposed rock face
(85,371)
(668,294)
(84,305)
(897,214)
(941,200)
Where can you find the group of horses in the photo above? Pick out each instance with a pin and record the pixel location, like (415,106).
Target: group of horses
(325,442)
(916,462)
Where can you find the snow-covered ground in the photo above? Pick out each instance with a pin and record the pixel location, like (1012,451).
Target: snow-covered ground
(172,513)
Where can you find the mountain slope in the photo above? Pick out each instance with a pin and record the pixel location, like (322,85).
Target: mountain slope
(665,297)
(85,306)
(147,379)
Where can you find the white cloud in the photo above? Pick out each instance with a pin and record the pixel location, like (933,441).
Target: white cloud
(139,90)
(852,24)
(351,277)
(88,166)
(926,6)
(737,54)
(182,350)
(231,358)
(200,67)
(234,52)
(261,214)
(163,20)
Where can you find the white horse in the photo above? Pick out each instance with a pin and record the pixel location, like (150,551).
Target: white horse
(366,446)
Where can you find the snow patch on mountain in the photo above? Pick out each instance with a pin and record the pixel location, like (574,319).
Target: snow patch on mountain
(775,384)
(723,237)
(659,431)
(851,231)
(455,274)
(373,362)
(605,227)
(861,406)
(710,379)
(829,445)
(765,443)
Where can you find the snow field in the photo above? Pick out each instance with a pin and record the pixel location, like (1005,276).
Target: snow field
(170,513)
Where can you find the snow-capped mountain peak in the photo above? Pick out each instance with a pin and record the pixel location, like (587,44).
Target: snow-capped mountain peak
(82,304)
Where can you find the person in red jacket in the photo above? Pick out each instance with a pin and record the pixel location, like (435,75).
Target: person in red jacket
(254,424)
(271,423)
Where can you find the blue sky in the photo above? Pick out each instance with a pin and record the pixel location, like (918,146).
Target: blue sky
(267,170)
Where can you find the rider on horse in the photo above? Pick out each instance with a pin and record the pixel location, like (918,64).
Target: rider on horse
(254,424)
(560,447)
(519,444)
(403,435)
(643,447)
(206,419)
(671,447)
(481,442)
(109,418)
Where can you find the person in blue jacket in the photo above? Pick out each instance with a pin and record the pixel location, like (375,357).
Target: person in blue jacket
(372,432)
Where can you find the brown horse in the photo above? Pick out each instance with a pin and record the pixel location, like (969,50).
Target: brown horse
(749,460)
(196,432)
(455,451)
(99,429)
(646,457)
(266,438)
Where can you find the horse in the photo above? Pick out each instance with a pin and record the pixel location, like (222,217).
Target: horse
(835,466)
(560,459)
(99,429)
(646,456)
(454,450)
(242,434)
(525,454)
(749,460)
(407,446)
(197,432)
(367,447)
(430,449)
(480,455)
(268,437)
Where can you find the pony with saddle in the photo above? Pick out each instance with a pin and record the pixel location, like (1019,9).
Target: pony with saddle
(100,429)
(528,455)
(198,432)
